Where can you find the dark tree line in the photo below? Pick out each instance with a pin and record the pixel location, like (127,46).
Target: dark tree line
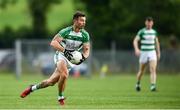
(119,20)
(107,20)
(38,10)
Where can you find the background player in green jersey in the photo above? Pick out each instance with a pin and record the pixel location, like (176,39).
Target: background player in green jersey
(72,38)
(149,52)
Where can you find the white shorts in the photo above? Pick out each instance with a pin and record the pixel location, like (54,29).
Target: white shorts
(146,56)
(58,56)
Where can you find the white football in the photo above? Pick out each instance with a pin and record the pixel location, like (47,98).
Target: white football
(77,56)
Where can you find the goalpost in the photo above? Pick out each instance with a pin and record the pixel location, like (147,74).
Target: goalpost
(30,55)
(18,58)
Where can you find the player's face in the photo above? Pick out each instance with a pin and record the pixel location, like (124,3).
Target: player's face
(80,22)
(149,24)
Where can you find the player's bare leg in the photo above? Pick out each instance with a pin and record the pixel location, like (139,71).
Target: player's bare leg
(45,83)
(139,75)
(62,68)
(152,68)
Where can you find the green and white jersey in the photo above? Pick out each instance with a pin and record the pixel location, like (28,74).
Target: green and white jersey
(147,39)
(73,40)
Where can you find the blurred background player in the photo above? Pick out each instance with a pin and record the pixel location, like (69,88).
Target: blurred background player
(65,42)
(149,52)
(104,70)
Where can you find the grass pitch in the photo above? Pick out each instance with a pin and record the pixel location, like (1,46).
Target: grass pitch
(112,92)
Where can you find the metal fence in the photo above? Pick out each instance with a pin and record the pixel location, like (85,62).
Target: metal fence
(126,61)
(35,55)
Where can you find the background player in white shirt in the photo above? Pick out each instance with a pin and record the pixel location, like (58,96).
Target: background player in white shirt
(148,53)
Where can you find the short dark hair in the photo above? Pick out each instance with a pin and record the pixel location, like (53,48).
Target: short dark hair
(78,14)
(149,18)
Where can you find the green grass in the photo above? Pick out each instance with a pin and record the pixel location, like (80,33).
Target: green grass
(112,92)
(17,15)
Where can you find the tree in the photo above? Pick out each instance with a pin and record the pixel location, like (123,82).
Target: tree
(4,3)
(119,20)
(38,10)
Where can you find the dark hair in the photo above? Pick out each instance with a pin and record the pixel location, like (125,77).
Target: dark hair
(149,18)
(78,14)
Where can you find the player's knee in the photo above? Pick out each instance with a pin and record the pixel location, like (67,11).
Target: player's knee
(152,70)
(64,75)
(140,73)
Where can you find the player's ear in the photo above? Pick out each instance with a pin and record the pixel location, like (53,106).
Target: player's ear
(74,21)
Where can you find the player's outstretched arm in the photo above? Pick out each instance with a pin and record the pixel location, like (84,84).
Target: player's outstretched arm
(85,53)
(55,43)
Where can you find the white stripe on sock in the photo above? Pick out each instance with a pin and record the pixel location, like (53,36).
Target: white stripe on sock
(60,97)
(33,88)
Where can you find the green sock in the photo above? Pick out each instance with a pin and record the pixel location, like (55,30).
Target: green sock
(38,86)
(35,87)
(61,94)
(138,82)
(153,84)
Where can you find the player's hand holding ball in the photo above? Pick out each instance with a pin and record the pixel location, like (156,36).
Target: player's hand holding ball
(77,58)
(68,54)
(81,60)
